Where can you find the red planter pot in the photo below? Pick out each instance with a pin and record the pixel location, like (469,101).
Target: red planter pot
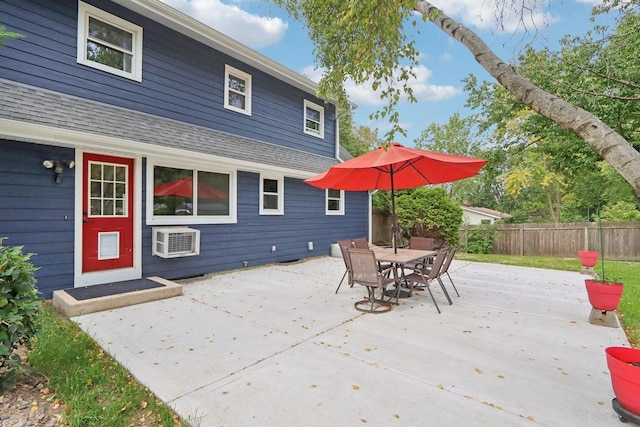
(625,378)
(588,258)
(603,296)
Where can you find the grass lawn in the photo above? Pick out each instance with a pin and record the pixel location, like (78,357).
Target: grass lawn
(96,390)
(624,271)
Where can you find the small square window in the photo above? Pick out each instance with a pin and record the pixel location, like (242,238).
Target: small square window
(237,90)
(271,195)
(335,202)
(313,119)
(109,43)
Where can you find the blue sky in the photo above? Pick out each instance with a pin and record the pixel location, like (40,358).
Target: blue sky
(443,64)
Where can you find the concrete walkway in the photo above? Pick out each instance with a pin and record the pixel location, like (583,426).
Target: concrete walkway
(275,346)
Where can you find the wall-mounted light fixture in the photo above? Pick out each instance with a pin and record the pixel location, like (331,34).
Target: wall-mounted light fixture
(57,166)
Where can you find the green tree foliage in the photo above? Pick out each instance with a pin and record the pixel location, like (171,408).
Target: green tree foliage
(364,41)
(18,306)
(620,212)
(357,140)
(553,175)
(4,34)
(371,42)
(457,136)
(480,238)
(428,212)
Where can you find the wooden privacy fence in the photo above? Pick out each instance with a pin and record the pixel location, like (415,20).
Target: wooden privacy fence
(380,228)
(620,240)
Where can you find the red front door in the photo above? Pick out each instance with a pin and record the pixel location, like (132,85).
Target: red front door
(107,213)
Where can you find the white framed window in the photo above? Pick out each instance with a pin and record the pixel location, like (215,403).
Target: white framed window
(271,195)
(187,195)
(237,90)
(109,43)
(108,183)
(313,119)
(335,202)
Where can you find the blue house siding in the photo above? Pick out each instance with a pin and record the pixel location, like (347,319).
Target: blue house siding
(225,246)
(37,213)
(182,79)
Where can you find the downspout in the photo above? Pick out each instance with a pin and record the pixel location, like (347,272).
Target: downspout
(370,214)
(338,117)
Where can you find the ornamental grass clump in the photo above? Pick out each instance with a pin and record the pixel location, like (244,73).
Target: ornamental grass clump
(18,308)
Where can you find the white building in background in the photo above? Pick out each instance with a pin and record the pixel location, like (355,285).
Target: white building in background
(473,215)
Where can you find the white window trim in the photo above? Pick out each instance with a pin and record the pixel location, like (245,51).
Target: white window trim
(228,69)
(152,219)
(280,209)
(320,109)
(334,212)
(84,12)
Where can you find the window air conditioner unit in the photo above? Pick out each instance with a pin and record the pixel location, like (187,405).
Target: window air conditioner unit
(173,242)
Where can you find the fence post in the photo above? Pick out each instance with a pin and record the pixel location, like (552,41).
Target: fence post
(521,239)
(586,237)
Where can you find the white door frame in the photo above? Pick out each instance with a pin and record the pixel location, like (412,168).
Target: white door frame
(116,275)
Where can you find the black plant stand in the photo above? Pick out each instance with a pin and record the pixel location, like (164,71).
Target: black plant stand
(624,414)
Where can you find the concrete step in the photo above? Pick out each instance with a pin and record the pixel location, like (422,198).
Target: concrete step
(72,307)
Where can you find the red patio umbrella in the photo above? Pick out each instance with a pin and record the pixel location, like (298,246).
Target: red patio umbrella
(396,167)
(183,187)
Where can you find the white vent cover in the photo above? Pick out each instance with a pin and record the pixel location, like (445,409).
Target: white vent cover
(173,242)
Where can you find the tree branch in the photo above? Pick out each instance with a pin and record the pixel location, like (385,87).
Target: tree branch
(597,134)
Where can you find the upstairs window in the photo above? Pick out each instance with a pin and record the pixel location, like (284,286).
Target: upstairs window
(109,43)
(313,119)
(335,202)
(237,90)
(271,195)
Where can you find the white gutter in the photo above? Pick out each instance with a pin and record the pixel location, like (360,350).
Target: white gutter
(42,134)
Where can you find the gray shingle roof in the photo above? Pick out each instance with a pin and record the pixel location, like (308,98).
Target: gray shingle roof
(43,107)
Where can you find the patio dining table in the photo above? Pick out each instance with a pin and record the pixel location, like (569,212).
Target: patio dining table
(398,259)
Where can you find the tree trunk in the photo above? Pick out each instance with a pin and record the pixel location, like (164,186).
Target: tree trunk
(610,145)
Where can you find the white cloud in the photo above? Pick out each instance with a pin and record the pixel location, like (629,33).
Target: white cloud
(253,30)
(446,57)
(482,14)
(364,96)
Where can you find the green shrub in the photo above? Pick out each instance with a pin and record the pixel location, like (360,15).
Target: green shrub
(429,212)
(18,307)
(480,239)
(620,212)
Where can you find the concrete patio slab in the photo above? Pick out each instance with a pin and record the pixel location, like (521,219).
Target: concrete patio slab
(275,346)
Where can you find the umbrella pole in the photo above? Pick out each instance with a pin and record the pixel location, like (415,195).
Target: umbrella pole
(394,226)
